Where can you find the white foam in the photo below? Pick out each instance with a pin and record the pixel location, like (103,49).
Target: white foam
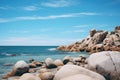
(52,49)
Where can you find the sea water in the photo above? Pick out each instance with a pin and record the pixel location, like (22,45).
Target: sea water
(12,54)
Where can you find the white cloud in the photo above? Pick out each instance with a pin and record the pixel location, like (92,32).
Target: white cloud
(37,40)
(2,20)
(58,3)
(30,8)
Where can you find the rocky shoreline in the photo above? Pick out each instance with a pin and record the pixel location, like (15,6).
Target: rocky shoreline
(98,66)
(97,41)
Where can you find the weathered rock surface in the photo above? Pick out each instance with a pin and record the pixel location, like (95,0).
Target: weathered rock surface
(72,72)
(20,68)
(107,63)
(28,76)
(58,62)
(97,41)
(46,76)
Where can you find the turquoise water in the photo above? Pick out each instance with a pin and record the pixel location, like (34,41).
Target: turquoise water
(11,54)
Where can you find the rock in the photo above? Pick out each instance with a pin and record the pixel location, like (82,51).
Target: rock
(31,60)
(97,48)
(43,70)
(63,48)
(51,66)
(107,63)
(68,57)
(77,60)
(58,62)
(97,41)
(117,29)
(14,78)
(48,61)
(32,65)
(92,32)
(99,37)
(6,76)
(32,70)
(29,76)
(78,77)
(69,71)
(20,68)
(37,63)
(20,64)
(46,76)
(66,61)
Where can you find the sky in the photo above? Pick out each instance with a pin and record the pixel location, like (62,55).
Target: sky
(54,22)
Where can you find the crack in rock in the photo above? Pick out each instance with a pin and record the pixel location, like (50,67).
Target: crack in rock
(113,64)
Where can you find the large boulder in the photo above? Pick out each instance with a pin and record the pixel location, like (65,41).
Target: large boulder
(106,63)
(29,76)
(20,68)
(78,77)
(69,71)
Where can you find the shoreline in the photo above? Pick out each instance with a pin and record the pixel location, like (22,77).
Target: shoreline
(49,69)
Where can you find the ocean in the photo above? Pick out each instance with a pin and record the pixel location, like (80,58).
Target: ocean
(11,54)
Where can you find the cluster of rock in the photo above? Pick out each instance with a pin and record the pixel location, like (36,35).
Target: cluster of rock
(97,41)
(99,66)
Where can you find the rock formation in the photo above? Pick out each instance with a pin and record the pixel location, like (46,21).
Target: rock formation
(97,41)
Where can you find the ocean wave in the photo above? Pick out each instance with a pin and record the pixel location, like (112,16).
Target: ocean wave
(23,54)
(52,49)
(7,54)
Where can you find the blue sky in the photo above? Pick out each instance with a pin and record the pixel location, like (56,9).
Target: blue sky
(54,22)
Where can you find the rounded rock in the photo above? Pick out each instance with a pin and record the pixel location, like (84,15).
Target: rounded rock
(58,62)
(28,76)
(107,63)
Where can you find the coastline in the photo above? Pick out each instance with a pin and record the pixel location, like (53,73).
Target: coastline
(56,69)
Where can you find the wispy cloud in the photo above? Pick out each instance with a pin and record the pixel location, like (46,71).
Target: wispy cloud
(35,40)
(3,8)
(114,2)
(18,31)
(81,26)
(58,3)
(15,39)
(74,31)
(48,17)
(90,25)
(30,8)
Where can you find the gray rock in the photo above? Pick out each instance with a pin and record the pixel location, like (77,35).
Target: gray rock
(67,72)
(106,63)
